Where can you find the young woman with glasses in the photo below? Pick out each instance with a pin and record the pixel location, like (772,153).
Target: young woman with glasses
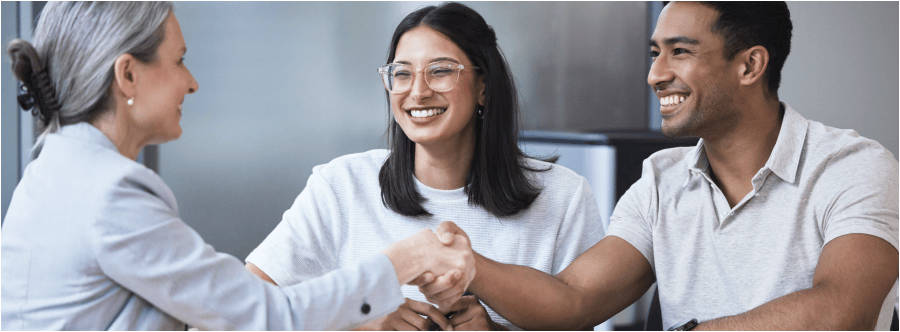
(454,156)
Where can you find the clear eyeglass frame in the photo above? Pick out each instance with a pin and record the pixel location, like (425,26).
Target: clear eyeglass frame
(387,75)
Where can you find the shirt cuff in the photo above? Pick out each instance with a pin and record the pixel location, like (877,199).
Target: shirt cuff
(860,228)
(383,294)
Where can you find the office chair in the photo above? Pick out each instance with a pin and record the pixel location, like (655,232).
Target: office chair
(654,315)
(894,326)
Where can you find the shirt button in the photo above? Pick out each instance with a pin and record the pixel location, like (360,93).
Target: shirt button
(365,308)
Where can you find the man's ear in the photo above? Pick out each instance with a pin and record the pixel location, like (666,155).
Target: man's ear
(124,77)
(753,64)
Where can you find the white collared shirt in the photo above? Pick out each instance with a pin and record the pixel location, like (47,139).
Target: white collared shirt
(712,260)
(92,241)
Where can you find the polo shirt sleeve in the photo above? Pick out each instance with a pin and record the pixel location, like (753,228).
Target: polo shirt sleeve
(581,228)
(632,219)
(859,193)
(305,243)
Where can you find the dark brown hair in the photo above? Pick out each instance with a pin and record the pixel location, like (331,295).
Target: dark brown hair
(497,179)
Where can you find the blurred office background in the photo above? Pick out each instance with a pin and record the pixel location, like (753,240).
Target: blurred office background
(286,86)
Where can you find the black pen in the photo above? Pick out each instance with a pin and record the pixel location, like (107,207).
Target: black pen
(436,327)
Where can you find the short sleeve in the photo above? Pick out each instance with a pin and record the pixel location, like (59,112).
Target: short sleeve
(582,227)
(305,243)
(140,242)
(631,219)
(858,193)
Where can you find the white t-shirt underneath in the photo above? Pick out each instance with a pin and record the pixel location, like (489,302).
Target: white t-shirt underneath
(339,219)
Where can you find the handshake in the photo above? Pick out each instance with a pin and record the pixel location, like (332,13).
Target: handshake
(441,263)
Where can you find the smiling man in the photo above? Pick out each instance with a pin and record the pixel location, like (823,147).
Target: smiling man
(771,222)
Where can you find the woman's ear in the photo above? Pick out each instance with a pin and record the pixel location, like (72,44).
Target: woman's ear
(481,86)
(124,75)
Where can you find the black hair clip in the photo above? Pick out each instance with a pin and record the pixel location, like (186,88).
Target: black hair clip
(25,98)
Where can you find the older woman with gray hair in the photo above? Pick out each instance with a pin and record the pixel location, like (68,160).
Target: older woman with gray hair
(92,239)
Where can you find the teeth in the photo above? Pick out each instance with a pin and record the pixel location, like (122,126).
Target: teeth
(426,113)
(671,100)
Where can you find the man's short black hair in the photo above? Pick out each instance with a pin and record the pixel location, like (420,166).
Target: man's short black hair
(744,24)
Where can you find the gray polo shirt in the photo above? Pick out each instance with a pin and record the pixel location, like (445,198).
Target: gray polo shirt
(712,260)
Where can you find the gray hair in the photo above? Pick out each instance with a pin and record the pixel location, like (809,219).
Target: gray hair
(69,70)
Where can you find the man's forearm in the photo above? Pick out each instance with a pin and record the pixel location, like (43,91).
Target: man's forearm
(808,309)
(854,275)
(527,297)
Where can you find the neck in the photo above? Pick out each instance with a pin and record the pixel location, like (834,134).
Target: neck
(121,133)
(738,154)
(445,166)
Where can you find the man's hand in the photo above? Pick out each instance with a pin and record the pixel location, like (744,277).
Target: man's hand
(447,232)
(409,318)
(472,316)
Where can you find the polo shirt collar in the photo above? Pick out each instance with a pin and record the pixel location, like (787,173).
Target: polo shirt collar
(784,159)
(696,161)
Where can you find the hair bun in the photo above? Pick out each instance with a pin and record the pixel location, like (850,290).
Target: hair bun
(37,93)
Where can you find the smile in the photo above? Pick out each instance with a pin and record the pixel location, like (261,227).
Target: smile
(672,100)
(426,113)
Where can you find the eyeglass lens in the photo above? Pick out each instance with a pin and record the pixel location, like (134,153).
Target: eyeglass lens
(440,76)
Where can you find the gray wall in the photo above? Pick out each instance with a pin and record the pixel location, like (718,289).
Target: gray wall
(577,65)
(9,112)
(842,70)
(283,87)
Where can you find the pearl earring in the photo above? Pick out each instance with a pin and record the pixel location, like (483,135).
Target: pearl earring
(130,101)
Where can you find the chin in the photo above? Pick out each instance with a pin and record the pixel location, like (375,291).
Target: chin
(167,138)
(423,139)
(675,130)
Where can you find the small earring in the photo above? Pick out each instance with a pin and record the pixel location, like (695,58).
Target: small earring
(130,101)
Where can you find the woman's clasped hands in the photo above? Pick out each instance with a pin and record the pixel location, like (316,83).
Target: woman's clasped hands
(449,269)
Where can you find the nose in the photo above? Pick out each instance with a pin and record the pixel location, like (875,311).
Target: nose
(420,89)
(193,85)
(660,72)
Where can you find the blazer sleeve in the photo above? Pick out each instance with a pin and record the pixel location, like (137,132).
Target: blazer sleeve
(141,243)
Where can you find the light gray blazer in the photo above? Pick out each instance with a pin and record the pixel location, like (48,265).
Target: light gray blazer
(92,240)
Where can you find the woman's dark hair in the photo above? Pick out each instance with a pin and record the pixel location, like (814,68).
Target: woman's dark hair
(496,179)
(744,24)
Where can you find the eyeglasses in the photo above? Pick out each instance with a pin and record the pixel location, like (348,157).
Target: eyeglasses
(441,76)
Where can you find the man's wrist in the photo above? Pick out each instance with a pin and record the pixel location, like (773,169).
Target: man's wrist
(481,266)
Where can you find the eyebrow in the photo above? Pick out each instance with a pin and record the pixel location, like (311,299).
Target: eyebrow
(432,60)
(675,40)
